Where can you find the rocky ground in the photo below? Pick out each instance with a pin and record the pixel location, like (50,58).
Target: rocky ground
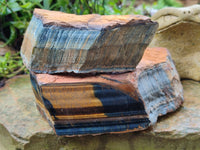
(22,127)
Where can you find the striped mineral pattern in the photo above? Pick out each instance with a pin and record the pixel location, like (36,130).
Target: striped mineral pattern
(110,103)
(57,42)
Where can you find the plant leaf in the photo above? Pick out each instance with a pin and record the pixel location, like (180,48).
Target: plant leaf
(27,5)
(19,24)
(3,10)
(14,6)
(46,4)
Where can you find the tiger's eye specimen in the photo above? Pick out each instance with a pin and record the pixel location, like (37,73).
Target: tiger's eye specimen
(179,32)
(57,42)
(110,103)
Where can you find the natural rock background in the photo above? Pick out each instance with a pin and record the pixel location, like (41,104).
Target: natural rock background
(22,127)
(180,35)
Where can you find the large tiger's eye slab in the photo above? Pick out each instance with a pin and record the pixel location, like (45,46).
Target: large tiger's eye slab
(57,42)
(77,104)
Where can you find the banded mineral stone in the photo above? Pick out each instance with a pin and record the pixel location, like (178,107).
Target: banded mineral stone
(58,42)
(179,32)
(109,103)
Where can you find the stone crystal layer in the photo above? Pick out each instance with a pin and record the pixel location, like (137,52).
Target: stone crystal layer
(58,42)
(110,103)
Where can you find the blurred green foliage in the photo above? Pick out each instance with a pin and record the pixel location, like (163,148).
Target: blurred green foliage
(166,3)
(121,7)
(10,65)
(124,7)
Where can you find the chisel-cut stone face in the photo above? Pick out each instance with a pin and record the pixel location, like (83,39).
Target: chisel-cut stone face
(57,42)
(179,32)
(109,103)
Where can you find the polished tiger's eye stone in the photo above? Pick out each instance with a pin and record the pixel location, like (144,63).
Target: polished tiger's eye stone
(57,42)
(179,32)
(77,104)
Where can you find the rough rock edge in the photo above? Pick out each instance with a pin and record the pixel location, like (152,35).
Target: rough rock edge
(134,21)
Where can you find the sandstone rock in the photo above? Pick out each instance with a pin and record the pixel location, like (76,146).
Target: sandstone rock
(22,127)
(79,105)
(179,32)
(59,42)
(19,119)
(185,122)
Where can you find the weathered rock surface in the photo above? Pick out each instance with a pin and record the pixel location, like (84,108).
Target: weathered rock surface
(79,105)
(179,32)
(59,42)
(22,127)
